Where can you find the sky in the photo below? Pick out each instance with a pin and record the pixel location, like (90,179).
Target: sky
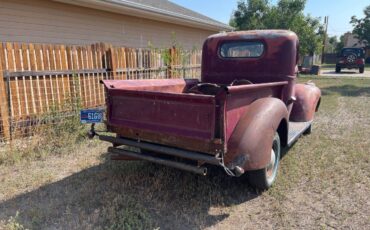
(339,11)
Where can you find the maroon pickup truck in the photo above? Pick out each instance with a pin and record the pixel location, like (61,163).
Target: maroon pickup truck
(244,109)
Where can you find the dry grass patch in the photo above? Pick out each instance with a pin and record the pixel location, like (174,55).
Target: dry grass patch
(323,183)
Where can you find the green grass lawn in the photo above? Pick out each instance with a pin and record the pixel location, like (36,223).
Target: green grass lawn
(323,182)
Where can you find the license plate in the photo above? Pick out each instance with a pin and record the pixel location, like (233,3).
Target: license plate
(91,116)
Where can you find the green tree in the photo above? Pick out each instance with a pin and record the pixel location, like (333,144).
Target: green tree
(287,14)
(362,27)
(340,44)
(331,44)
(250,14)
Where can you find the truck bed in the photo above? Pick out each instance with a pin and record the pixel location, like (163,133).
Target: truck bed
(165,111)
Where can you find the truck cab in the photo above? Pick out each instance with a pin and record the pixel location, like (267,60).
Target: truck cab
(242,111)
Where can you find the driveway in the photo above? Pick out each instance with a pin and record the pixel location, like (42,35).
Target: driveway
(347,73)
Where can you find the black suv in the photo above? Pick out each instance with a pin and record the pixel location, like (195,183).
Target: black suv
(351,58)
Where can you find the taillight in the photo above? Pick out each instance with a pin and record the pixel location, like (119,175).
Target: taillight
(360,61)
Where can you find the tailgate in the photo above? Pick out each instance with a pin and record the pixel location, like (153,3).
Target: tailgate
(175,115)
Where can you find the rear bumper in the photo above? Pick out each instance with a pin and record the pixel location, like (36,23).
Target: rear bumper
(158,160)
(349,66)
(193,159)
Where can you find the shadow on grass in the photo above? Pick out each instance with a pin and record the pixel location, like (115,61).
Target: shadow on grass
(134,195)
(346,90)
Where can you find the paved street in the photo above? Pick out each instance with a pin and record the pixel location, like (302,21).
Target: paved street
(346,72)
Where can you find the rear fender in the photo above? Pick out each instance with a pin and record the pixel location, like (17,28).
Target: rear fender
(308,98)
(249,146)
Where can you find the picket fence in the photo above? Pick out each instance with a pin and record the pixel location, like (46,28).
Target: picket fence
(39,79)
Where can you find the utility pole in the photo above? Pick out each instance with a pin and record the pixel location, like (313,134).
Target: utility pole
(326,22)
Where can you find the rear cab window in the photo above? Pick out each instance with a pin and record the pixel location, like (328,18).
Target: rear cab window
(242,49)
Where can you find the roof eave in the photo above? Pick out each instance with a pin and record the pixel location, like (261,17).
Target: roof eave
(135,9)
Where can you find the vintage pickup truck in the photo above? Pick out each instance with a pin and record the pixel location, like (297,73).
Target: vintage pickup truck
(243,111)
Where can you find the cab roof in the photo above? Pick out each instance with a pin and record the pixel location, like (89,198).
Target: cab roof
(256,34)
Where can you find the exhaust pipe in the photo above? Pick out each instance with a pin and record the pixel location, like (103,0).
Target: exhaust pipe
(158,160)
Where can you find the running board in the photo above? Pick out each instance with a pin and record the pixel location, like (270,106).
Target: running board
(296,129)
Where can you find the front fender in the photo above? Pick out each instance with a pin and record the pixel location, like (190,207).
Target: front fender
(250,144)
(307,101)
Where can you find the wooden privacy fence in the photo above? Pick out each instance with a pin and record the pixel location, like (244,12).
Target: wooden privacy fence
(39,79)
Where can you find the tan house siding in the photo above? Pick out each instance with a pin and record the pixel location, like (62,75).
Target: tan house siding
(42,21)
(351,41)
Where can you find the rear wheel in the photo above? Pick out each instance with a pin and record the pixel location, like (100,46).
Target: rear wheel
(362,69)
(337,69)
(264,178)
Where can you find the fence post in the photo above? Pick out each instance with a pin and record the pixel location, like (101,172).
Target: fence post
(170,67)
(4,109)
(113,59)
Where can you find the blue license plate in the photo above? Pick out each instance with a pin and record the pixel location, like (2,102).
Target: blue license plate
(91,116)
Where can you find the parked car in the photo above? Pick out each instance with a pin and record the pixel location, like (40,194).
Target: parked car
(239,115)
(351,58)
